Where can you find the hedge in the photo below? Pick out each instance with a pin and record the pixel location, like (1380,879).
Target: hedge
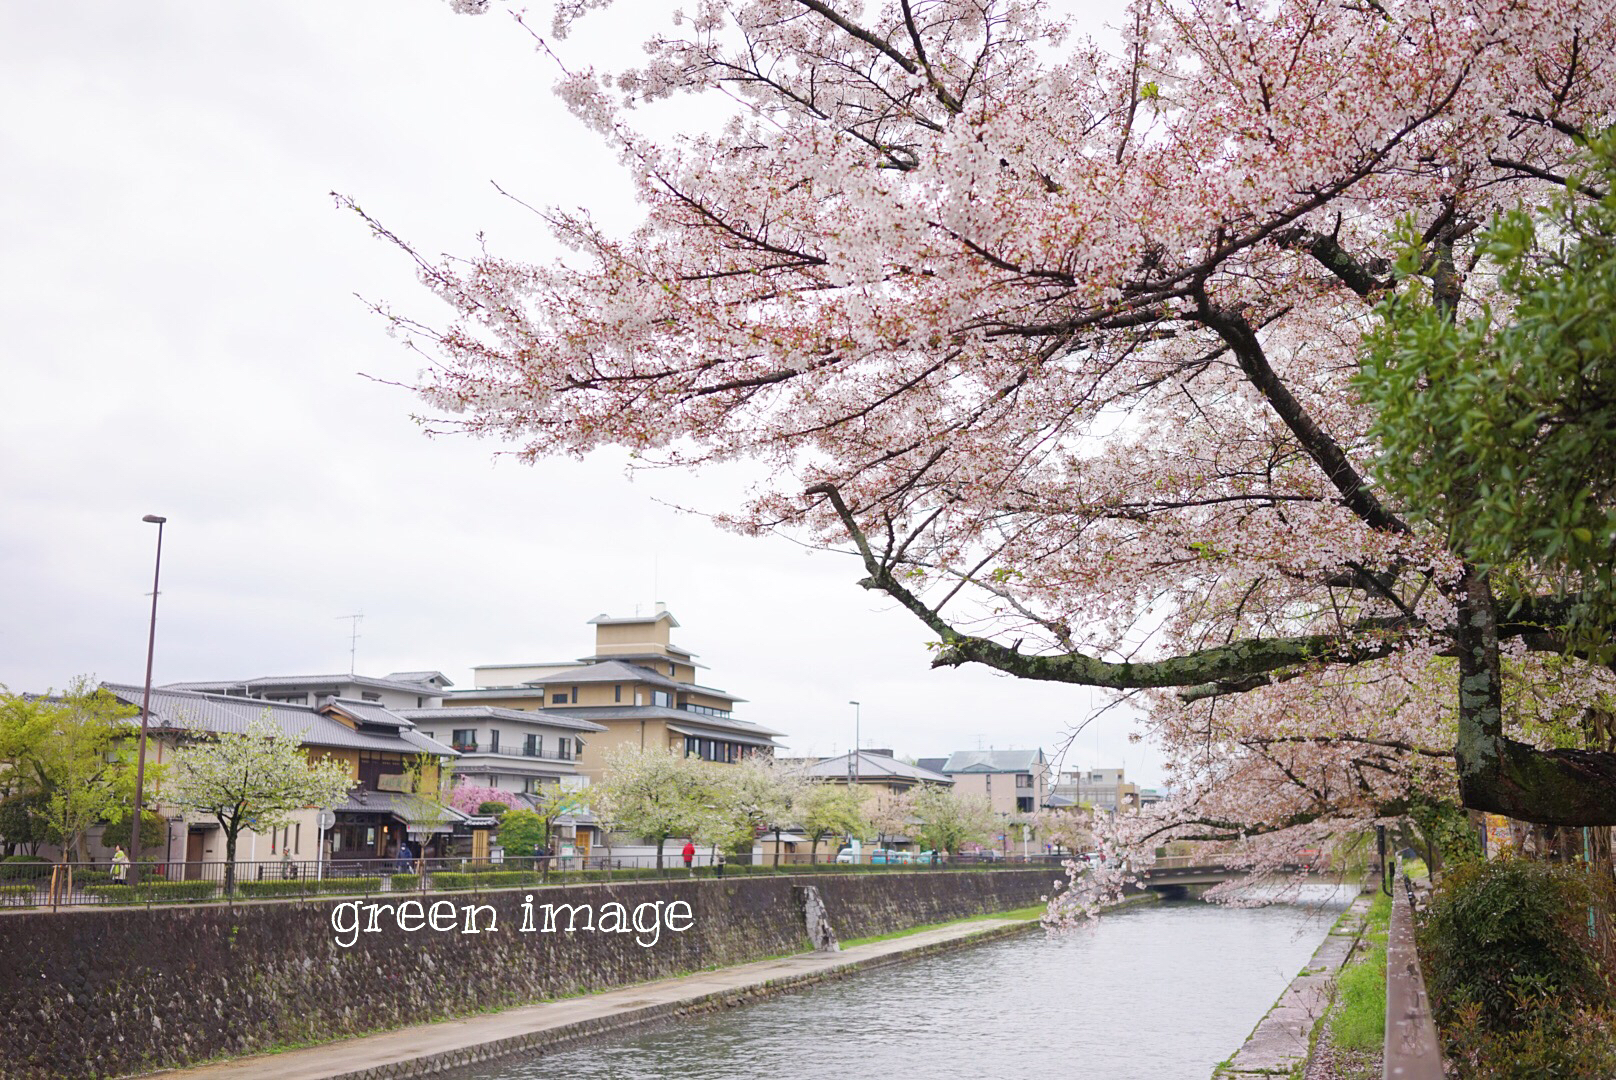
(24,867)
(154,892)
(449,879)
(274,888)
(406,882)
(23,894)
(348,885)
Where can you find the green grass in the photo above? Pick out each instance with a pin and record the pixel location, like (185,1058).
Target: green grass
(1359,1019)
(1026,914)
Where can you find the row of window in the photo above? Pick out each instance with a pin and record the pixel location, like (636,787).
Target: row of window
(713,749)
(465,740)
(705,710)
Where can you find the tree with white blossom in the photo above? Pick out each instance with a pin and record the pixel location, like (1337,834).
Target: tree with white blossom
(254,778)
(1060,341)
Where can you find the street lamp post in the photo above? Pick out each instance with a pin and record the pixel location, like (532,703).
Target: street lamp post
(854,771)
(145,705)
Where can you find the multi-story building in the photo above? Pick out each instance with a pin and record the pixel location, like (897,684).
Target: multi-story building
(1016,782)
(1104,789)
(636,688)
(381,750)
(511,749)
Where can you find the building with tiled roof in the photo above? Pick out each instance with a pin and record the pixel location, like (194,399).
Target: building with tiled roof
(1016,782)
(379,748)
(877,768)
(637,685)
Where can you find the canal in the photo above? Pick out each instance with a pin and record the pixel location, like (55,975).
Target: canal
(1158,992)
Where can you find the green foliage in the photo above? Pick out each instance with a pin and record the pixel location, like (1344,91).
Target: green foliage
(493,809)
(829,809)
(949,819)
(447,879)
(24,868)
(1446,828)
(1501,427)
(348,885)
(1543,1046)
(154,892)
(521,830)
(71,753)
(259,889)
(1510,938)
(1358,1022)
(17,895)
(406,882)
(153,831)
(22,815)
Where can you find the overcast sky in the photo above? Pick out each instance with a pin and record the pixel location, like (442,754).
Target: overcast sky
(182,336)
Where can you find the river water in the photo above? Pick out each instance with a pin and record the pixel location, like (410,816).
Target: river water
(1158,992)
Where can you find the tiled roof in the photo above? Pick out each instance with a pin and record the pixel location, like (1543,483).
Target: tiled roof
(607,620)
(313,682)
(994,761)
(749,738)
(436,678)
(181,710)
(603,713)
(875,766)
(541,717)
(404,806)
(607,671)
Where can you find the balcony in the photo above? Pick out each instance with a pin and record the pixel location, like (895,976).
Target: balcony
(515,752)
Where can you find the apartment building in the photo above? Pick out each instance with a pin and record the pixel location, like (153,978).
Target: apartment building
(1015,782)
(637,687)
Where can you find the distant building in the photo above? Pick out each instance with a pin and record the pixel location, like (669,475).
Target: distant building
(1104,789)
(376,745)
(875,768)
(638,687)
(1016,782)
(400,690)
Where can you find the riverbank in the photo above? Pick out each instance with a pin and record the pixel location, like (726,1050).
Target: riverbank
(538,1029)
(1283,1039)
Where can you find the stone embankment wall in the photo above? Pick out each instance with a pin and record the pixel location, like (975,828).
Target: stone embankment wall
(110,992)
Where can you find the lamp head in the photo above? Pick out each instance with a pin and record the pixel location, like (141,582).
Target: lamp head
(154,519)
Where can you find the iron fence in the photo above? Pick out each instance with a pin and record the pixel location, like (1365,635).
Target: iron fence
(26,884)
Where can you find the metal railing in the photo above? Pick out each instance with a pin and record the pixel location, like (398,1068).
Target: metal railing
(54,885)
(1412,1050)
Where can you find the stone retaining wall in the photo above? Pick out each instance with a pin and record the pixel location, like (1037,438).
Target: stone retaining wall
(109,992)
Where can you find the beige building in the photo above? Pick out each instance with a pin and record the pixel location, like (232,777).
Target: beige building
(874,768)
(1016,782)
(1104,789)
(637,685)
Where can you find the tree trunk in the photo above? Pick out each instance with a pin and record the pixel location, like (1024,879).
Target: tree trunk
(1500,775)
(662,842)
(230,835)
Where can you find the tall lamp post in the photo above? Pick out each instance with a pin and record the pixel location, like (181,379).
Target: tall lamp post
(854,771)
(145,705)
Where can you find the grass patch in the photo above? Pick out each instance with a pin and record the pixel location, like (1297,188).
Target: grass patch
(1358,1021)
(1026,914)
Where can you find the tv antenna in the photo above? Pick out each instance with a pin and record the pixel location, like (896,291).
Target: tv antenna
(353,638)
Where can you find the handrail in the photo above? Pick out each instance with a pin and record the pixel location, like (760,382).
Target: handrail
(1412,1050)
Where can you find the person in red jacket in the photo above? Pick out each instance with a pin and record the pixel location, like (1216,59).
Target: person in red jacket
(689,853)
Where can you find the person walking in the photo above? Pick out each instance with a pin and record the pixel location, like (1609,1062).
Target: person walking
(120,866)
(689,853)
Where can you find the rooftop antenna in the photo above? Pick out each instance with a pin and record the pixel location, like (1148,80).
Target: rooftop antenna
(353,639)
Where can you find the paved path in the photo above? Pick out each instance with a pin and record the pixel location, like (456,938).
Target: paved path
(416,1051)
(1281,1038)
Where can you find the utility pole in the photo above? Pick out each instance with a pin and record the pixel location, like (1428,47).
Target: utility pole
(853,767)
(145,706)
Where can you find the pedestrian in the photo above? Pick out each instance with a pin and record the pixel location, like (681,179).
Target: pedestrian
(689,853)
(120,865)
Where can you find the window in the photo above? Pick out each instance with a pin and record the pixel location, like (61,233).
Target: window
(617,692)
(564,749)
(1024,804)
(374,765)
(533,746)
(493,780)
(368,695)
(493,740)
(420,702)
(662,698)
(464,739)
(1024,780)
(430,734)
(575,695)
(558,699)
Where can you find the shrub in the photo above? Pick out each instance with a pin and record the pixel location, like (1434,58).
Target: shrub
(170,891)
(493,809)
(15,895)
(406,882)
(274,888)
(112,894)
(451,879)
(24,868)
(348,885)
(1510,937)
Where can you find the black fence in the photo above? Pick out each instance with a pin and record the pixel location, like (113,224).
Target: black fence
(29,884)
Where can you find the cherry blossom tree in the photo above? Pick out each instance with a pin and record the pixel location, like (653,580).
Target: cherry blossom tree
(1059,340)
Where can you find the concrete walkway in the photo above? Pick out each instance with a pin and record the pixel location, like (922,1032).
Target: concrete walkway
(430,1048)
(1281,1038)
